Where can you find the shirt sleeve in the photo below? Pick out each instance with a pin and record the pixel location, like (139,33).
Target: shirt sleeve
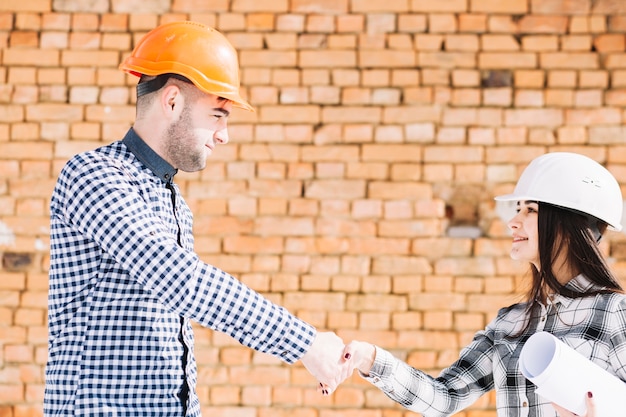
(100,199)
(617,353)
(457,387)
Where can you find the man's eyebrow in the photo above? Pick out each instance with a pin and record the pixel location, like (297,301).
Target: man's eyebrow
(221,110)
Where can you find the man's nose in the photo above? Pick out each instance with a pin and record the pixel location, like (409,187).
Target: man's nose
(221,136)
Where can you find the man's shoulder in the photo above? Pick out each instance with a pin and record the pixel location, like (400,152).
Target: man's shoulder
(106,155)
(114,149)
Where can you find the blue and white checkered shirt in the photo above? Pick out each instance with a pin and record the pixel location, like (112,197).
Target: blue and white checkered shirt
(125,283)
(594,326)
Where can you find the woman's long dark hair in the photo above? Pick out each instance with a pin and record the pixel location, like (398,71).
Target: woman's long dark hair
(561,230)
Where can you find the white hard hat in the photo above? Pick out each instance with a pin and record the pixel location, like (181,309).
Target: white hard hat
(572,181)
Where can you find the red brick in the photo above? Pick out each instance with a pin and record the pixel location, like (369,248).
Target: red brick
(113,22)
(531,117)
(461,43)
(472,23)
(501,97)
(369,6)
(560,7)
(559,60)
(89,58)
(496,60)
(369,170)
(499,43)
(38,57)
(615,60)
(597,23)
(116,41)
(609,7)
(412,23)
(428,42)
(594,79)
(615,97)
(593,116)
(28,21)
(580,43)
(6,20)
(230,22)
(609,43)
(466,97)
(541,137)
(617,23)
(529,98)
(591,98)
(445,22)
(55,21)
(495,6)
(540,43)
(23,39)
(572,135)
(543,24)
(295,23)
(85,21)
(262,22)
(562,78)
(502,24)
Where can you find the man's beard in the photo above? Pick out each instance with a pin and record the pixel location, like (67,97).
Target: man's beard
(182,144)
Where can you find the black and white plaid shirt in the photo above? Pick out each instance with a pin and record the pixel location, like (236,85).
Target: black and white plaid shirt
(125,283)
(594,326)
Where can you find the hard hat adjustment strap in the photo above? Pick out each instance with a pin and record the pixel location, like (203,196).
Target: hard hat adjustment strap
(157,83)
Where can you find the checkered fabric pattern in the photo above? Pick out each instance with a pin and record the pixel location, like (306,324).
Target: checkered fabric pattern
(124,285)
(594,326)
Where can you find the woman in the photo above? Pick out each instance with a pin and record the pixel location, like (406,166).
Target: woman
(565,202)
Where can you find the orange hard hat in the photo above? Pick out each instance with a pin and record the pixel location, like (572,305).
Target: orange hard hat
(194,51)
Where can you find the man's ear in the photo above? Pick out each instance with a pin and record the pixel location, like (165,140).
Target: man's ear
(171,101)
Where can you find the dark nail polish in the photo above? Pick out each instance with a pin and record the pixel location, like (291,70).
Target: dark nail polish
(347,356)
(590,394)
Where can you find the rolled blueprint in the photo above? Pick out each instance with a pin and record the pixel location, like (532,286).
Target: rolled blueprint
(564,376)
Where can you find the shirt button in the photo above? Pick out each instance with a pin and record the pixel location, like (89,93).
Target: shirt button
(284,354)
(524,404)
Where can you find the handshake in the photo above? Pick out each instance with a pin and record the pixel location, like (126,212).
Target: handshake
(331,362)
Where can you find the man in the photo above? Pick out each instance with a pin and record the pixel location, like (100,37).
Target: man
(125,282)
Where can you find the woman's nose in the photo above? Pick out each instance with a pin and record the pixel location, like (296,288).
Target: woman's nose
(513,223)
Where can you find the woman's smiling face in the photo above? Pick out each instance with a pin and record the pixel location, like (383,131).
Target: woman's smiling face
(524,226)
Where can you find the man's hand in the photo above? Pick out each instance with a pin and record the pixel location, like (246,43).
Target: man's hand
(324,361)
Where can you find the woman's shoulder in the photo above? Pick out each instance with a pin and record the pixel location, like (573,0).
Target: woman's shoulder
(511,316)
(614,300)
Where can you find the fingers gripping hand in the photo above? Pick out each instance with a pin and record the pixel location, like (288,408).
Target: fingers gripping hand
(323,361)
(359,355)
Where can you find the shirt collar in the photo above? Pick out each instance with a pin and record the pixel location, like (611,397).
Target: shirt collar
(159,166)
(579,283)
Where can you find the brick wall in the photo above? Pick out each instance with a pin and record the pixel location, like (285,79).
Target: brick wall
(359,195)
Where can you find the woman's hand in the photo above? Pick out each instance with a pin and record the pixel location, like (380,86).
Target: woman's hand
(360,355)
(591,408)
